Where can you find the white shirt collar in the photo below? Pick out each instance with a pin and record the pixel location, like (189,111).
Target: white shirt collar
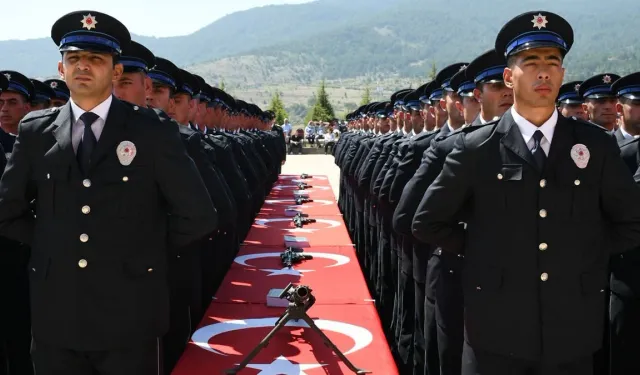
(527,129)
(102,109)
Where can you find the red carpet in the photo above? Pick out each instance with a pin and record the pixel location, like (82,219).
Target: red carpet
(238,319)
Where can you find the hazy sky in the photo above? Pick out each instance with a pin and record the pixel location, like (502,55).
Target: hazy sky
(30,19)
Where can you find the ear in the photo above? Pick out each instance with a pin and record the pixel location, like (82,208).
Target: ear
(478,95)
(443,104)
(118,69)
(507,76)
(459,106)
(619,107)
(585,108)
(61,70)
(148,86)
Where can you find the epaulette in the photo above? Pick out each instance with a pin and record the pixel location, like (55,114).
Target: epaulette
(628,142)
(585,122)
(47,112)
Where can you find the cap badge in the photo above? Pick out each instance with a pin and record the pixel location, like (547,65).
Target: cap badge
(580,155)
(53,84)
(606,79)
(540,21)
(577,87)
(8,76)
(126,152)
(88,22)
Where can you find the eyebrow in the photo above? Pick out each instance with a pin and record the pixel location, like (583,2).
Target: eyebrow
(538,57)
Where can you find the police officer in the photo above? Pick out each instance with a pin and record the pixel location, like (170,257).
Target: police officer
(60,90)
(43,94)
(599,100)
(15,103)
(490,91)
(570,102)
(540,196)
(468,105)
(111,187)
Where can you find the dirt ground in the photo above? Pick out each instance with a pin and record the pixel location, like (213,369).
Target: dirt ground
(314,165)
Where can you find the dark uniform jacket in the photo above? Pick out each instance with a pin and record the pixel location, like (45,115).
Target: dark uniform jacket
(537,243)
(98,264)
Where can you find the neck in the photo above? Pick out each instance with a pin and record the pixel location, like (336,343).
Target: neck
(632,130)
(536,116)
(89,103)
(9,128)
(486,116)
(455,124)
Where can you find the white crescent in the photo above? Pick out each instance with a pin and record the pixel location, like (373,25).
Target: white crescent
(331,223)
(299,179)
(339,259)
(290,203)
(282,187)
(360,336)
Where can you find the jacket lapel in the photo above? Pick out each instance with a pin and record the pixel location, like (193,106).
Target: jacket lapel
(561,143)
(62,133)
(513,139)
(112,133)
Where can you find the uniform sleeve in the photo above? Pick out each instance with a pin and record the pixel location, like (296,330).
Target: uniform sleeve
(618,190)
(436,219)
(192,215)
(17,191)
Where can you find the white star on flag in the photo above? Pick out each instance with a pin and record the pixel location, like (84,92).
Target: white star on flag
(281,366)
(285,271)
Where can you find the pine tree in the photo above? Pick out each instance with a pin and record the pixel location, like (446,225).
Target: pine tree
(322,110)
(434,71)
(366,97)
(278,108)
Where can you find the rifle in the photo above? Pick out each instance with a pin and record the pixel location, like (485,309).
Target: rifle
(301,219)
(293,255)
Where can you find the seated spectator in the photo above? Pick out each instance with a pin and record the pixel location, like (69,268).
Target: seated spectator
(295,142)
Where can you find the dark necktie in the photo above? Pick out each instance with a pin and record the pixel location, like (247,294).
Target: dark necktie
(538,153)
(87,143)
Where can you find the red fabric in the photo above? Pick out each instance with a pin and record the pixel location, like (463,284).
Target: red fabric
(298,345)
(315,180)
(278,206)
(287,191)
(334,275)
(238,319)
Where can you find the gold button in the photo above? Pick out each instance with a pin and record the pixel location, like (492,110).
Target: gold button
(84,237)
(86,183)
(125,178)
(543,213)
(48,176)
(544,276)
(82,263)
(576,182)
(543,246)
(135,107)
(500,176)
(543,183)
(86,209)
(150,270)
(478,288)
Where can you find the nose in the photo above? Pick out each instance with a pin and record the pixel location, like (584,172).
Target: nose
(543,75)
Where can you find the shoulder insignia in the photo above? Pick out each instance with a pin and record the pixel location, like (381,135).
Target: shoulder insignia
(31,116)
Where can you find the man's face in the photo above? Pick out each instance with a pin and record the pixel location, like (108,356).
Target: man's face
(470,109)
(384,125)
(13,107)
(89,74)
(602,111)
(630,111)
(439,113)
(40,105)
(428,116)
(448,102)
(201,114)
(58,102)
(182,108)
(133,87)
(160,98)
(571,110)
(535,76)
(495,99)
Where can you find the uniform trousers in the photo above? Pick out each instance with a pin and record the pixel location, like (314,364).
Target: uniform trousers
(479,362)
(136,358)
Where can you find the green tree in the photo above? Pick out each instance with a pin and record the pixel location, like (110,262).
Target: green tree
(278,108)
(221,85)
(322,110)
(366,97)
(433,72)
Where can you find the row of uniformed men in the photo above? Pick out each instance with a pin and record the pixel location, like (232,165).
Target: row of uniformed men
(234,145)
(396,149)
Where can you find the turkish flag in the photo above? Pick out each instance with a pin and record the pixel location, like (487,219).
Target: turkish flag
(334,275)
(286,206)
(315,180)
(313,192)
(230,331)
(271,231)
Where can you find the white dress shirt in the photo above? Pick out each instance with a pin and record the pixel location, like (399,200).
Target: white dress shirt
(527,129)
(77,126)
(626,135)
